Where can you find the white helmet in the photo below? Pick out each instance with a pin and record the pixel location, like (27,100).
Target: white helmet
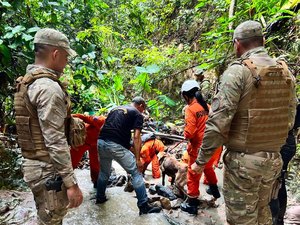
(189,85)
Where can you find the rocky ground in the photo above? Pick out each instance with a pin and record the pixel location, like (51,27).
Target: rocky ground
(18,207)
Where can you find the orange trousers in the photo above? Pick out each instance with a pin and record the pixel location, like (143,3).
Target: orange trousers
(193,179)
(155,166)
(76,156)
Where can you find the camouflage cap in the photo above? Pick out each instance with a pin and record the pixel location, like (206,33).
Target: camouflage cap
(248,29)
(53,37)
(198,71)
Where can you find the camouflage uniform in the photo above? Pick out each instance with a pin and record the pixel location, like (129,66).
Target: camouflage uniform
(206,90)
(251,165)
(50,156)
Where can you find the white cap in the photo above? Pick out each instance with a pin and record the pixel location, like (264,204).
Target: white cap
(189,85)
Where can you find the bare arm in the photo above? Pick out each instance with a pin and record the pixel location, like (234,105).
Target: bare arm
(137,144)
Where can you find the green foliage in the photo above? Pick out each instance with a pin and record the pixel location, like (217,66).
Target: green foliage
(127,48)
(10,169)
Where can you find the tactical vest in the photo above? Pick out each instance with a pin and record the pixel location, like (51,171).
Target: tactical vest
(30,136)
(261,120)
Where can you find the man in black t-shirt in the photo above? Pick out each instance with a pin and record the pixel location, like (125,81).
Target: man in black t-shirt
(114,143)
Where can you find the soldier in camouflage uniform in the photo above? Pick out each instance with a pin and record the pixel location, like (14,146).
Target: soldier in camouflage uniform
(205,85)
(42,106)
(251,114)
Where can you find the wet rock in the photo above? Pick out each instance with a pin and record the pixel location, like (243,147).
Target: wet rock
(4,209)
(153,199)
(293,215)
(175,204)
(121,181)
(165,191)
(165,203)
(152,190)
(129,186)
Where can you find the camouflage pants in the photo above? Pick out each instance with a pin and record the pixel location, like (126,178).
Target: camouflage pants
(248,181)
(50,205)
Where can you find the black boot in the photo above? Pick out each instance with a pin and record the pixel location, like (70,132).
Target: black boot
(147,208)
(190,206)
(213,190)
(101,200)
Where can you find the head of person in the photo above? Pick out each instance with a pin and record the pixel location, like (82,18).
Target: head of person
(246,36)
(52,49)
(190,90)
(139,103)
(199,74)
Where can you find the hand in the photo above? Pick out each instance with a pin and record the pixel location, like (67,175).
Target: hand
(196,168)
(140,165)
(75,196)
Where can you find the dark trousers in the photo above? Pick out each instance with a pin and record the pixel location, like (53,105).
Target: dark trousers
(278,206)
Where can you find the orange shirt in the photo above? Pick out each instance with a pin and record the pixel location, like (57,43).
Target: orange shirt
(93,125)
(150,148)
(195,119)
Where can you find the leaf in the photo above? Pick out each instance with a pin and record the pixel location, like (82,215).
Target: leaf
(140,69)
(153,68)
(166,100)
(78,77)
(27,37)
(5,52)
(18,29)
(53,3)
(1,42)
(8,35)
(92,55)
(6,4)
(33,29)
(76,11)
(118,80)
(100,74)
(149,69)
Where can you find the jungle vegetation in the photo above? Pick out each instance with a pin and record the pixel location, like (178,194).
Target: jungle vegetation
(138,47)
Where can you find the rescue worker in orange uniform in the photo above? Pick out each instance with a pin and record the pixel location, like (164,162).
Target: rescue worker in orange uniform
(93,125)
(196,114)
(149,153)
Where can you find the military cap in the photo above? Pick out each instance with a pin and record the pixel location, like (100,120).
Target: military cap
(198,71)
(248,29)
(53,37)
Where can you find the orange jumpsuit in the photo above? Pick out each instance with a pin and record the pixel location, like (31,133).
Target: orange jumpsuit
(149,153)
(195,119)
(93,125)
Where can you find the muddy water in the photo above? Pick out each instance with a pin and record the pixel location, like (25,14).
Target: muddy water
(120,209)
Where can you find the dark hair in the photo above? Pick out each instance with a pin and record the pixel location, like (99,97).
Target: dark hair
(42,50)
(195,92)
(252,42)
(139,100)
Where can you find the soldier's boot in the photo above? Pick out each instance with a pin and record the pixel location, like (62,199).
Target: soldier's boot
(213,190)
(190,206)
(147,208)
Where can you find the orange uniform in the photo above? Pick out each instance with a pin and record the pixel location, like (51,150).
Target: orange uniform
(93,125)
(149,153)
(195,119)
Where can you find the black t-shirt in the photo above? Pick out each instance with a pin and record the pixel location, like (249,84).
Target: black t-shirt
(119,123)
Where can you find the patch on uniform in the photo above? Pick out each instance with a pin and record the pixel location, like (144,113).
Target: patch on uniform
(215,105)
